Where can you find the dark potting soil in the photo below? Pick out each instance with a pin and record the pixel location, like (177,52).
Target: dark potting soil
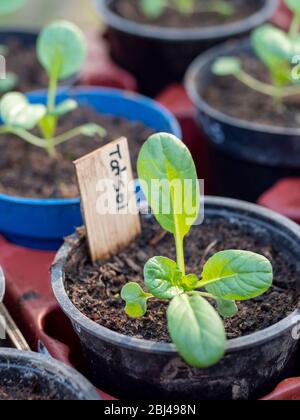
(27,171)
(32,392)
(130,9)
(23,62)
(233,98)
(95,288)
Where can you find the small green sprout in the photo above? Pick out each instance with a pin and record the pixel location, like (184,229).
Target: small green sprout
(155,8)
(11,79)
(195,326)
(276,49)
(61,50)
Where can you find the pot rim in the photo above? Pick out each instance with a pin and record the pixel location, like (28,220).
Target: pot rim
(9,30)
(104,93)
(184,34)
(2,284)
(226,49)
(75,379)
(115,338)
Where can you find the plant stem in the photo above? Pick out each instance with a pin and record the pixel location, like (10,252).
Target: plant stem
(295,27)
(24,135)
(266,89)
(180,253)
(52,92)
(203,294)
(73,133)
(50,124)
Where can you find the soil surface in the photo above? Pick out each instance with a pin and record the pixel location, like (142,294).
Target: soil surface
(130,9)
(33,392)
(23,62)
(27,171)
(95,288)
(233,98)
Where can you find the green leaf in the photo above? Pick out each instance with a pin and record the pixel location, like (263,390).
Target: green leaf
(163,278)
(294,6)
(185,6)
(227,308)
(10,82)
(61,49)
(153,8)
(274,48)
(136,300)
(91,130)
(227,66)
(196,330)
(224,8)
(65,107)
(9,6)
(190,282)
(16,111)
(272,45)
(169,181)
(237,275)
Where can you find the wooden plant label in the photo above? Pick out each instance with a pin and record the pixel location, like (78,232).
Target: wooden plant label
(108,199)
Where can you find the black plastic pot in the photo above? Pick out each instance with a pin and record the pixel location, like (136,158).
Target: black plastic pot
(2,285)
(134,368)
(28,38)
(27,368)
(246,158)
(158,56)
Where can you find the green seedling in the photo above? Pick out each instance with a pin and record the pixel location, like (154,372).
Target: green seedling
(61,50)
(155,8)
(11,79)
(195,326)
(276,49)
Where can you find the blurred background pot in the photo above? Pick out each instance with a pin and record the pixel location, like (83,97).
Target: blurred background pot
(246,158)
(158,56)
(45,377)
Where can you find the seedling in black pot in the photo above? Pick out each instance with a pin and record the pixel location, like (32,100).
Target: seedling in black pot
(167,173)
(155,8)
(276,49)
(61,50)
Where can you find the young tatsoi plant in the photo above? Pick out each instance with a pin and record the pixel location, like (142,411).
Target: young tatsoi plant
(194,325)
(155,8)
(11,79)
(61,50)
(276,50)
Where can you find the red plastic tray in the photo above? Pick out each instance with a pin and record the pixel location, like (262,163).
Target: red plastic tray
(31,302)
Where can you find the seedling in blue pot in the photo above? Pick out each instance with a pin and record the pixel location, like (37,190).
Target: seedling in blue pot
(194,322)
(276,49)
(61,50)
(11,79)
(155,8)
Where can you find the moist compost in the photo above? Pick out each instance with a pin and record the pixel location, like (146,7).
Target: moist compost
(27,171)
(22,61)
(21,392)
(130,9)
(95,288)
(232,97)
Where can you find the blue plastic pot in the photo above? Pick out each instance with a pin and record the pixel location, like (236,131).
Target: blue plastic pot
(43,223)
